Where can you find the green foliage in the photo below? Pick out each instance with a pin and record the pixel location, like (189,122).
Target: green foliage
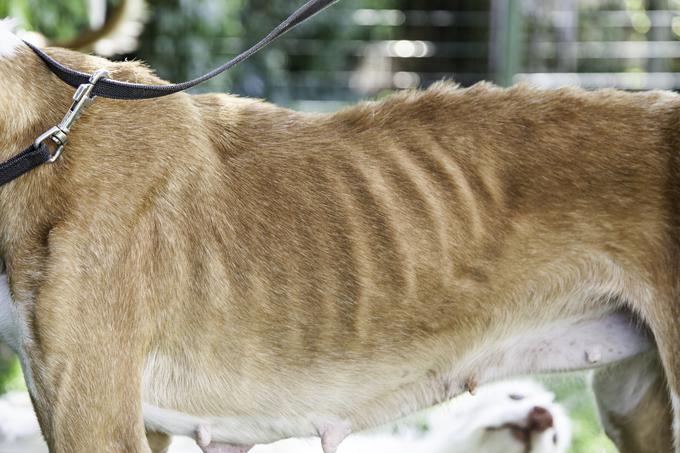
(185,39)
(57,20)
(573,392)
(10,371)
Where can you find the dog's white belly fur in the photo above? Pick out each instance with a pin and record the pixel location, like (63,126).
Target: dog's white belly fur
(14,329)
(569,345)
(9,328)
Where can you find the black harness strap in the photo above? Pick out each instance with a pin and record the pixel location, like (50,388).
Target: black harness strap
(39,153)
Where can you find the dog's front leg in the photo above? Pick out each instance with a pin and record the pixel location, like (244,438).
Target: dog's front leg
(86,363)
(94,406)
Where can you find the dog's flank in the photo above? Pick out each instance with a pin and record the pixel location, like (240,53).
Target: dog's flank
(230,264)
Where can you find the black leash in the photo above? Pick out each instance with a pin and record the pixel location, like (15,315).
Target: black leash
(98,84)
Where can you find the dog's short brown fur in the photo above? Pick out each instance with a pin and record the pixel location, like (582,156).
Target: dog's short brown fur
(292,272)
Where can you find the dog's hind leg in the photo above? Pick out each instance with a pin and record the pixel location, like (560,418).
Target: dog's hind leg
(671,361)
(634,405)
(663,319)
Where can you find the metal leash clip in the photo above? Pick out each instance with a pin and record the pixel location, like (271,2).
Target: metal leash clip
(81,100)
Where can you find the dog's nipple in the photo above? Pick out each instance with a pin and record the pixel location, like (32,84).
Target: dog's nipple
(332,435)
(203,436)
(204,440)
(594,355)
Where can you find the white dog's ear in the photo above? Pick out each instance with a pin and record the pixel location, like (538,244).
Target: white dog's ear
(8,24)
(33,37)
(9,41)
(11,36)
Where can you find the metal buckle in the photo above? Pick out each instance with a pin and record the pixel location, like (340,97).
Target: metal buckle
(81,100)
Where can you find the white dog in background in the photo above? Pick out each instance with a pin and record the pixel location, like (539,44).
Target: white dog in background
(19,430)
(506,417)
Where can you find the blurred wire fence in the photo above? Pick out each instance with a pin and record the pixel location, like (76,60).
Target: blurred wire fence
(360,48)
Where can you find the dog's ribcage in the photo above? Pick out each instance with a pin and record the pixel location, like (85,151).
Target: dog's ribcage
(385,268)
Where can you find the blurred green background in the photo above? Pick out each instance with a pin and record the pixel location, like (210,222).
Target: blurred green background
(366,48)
(360,48)
(574,393)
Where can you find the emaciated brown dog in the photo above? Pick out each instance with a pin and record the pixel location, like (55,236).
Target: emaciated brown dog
(238,272)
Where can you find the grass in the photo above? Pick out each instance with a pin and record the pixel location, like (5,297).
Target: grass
(11,377)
